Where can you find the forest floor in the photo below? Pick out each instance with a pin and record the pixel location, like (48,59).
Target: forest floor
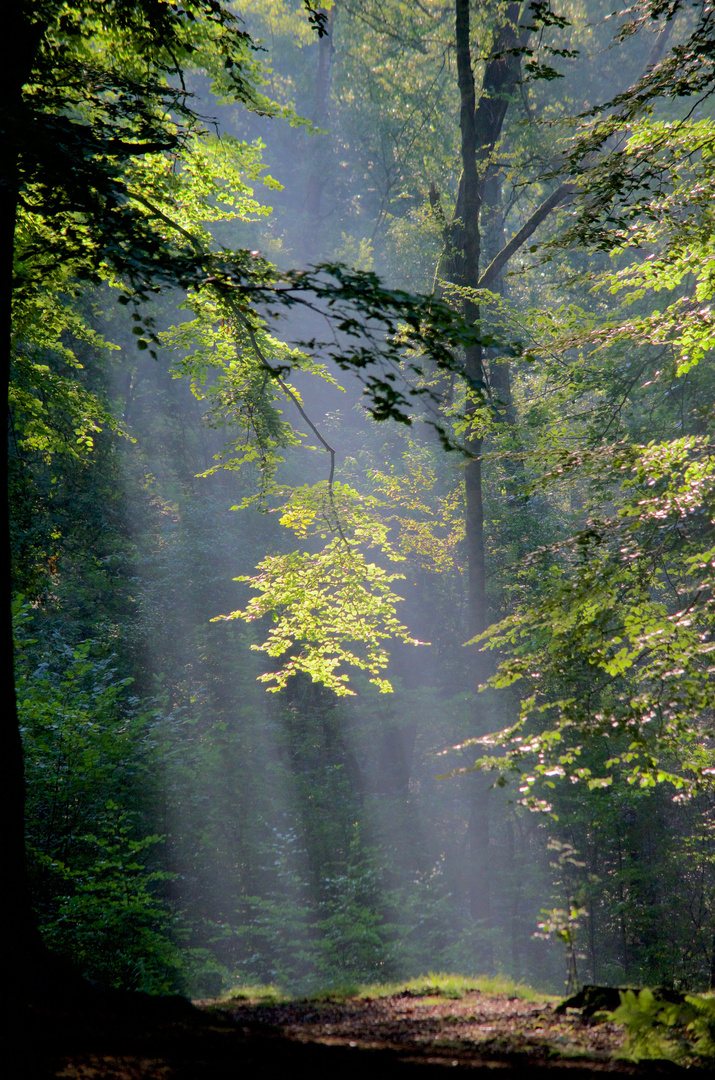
(428,1024)
(419,1030)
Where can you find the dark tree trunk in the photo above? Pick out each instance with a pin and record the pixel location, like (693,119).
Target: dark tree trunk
(15,918)
(493,228)
(397,750)
(29,971)
(465,242)
(480,127)
(21,951)
(478,208)
(319,148)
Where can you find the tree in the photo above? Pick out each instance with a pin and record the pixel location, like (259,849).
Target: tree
(572,597)
(73,121)
(94,111)
(613,643)
(492,87)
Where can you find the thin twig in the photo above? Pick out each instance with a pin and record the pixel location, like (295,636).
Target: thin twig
(294,398)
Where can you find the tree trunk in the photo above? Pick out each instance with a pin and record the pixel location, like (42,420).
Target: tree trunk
(480,127)
(23,958)
(493,228)
(397,750)
(465,242)
(320,144)
(479,196)
(15,915)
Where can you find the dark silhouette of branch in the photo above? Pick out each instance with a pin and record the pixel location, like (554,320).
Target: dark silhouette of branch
(563,192)
(287,390)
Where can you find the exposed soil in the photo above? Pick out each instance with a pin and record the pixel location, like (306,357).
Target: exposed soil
(477,1025)
(133,1037)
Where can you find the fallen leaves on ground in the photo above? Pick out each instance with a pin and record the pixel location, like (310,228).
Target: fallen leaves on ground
(477,1025)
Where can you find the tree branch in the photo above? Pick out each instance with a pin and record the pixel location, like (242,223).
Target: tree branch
(193,240)
(560,195)
(287,390)
(662,36)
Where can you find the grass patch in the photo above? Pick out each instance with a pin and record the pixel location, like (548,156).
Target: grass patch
(440,984)
(434,984)
(255,994)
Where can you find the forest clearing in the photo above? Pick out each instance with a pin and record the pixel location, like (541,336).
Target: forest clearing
(358,519)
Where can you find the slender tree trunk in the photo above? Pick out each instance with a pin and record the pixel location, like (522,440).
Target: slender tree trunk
(466,225)
(466,242)
(515,888)
(476,583)
(480,128)
(622,916)
(493,229)
(319,148)
(479,197)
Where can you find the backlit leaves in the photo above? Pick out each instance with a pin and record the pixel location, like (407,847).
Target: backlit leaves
(333,608)
(620,647)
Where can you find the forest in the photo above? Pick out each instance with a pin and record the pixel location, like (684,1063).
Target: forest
(361,561)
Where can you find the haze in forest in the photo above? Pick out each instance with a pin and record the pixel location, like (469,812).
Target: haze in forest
(205,812)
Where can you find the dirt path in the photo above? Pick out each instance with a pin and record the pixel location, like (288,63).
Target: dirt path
(476,1026)
(398,1037)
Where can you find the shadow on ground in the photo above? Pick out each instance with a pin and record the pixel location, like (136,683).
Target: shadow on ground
(117,1036)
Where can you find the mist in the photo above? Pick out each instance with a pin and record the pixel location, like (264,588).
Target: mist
(298,837)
